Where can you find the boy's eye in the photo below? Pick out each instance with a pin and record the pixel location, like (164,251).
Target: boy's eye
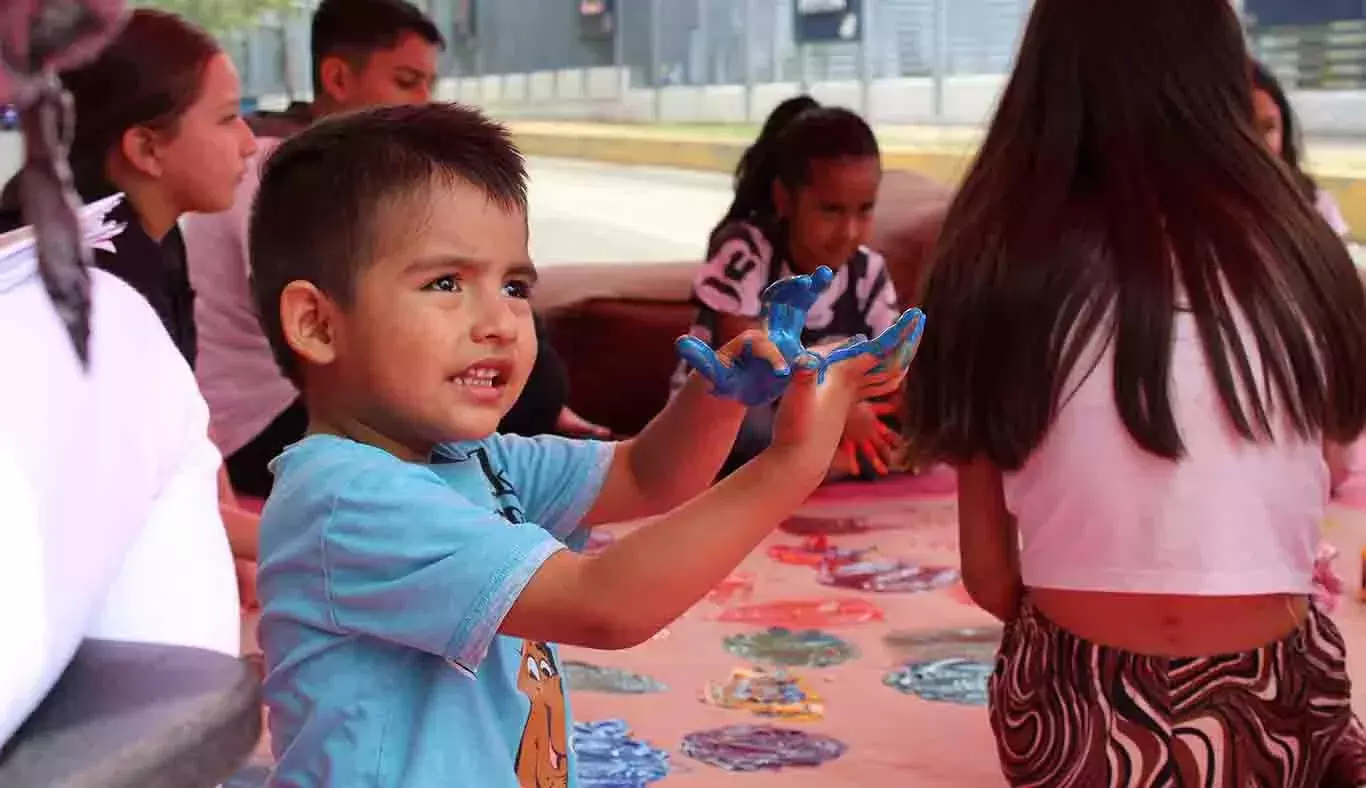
(518,289)
(444,284)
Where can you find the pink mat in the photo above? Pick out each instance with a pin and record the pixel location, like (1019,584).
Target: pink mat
(893,739)
(937,482)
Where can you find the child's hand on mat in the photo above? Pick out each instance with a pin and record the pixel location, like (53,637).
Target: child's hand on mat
(868,438)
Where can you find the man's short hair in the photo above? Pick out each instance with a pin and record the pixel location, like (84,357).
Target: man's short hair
(356,29)
(326,202)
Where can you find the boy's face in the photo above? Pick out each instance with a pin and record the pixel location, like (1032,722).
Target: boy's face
(438,341)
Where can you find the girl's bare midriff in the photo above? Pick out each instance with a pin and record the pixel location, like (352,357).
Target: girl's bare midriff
(1169,625)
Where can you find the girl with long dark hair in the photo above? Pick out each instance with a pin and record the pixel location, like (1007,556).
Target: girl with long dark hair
(157,118)
(1143,333)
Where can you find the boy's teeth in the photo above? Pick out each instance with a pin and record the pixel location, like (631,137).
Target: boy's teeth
(478,377)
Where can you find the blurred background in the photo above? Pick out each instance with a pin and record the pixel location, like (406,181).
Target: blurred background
(724,62)
(633,86)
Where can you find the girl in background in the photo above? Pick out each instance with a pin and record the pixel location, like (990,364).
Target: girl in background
(1143,334)
(1281,131)
(804,197)
(157,118)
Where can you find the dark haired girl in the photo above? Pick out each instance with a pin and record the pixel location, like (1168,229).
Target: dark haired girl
(1143,333)
(157,119)
(804,197)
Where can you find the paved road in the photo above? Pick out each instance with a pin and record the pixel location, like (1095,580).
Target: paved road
(589,212)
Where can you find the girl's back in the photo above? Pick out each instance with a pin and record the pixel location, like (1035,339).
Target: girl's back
(1143,334)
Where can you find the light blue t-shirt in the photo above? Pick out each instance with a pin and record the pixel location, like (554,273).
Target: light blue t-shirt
(383,584)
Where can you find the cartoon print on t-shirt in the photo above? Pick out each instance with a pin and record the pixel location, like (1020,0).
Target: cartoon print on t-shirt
(543,755)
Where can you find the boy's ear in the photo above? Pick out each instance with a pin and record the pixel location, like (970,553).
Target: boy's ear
(308,320)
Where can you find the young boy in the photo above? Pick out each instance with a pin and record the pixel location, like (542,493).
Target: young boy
(413,563)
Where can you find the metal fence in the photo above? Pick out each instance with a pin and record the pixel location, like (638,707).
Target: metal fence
(680,42)
(711,42)
(701,43)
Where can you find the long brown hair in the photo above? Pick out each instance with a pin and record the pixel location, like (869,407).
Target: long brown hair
(1123,179)
(149,75)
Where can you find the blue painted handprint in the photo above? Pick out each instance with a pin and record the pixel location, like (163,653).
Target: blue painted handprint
(748,378)
(754,381)
(896,346)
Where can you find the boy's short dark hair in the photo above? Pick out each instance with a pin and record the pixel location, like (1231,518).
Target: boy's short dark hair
(324,193)
(356,29)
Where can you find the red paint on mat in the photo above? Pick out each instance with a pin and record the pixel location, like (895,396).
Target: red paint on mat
(805,613)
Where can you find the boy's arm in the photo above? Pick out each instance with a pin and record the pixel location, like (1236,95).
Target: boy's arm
(988,541)
(677,455)
(649,577)
(681,450)
(407,560)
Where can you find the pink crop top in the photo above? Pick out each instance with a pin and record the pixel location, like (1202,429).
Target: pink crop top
(1098,513)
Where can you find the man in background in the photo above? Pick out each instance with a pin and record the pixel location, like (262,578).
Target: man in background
(365,53)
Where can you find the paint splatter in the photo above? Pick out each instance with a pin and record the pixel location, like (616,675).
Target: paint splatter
(609,758)
(780,646)
(584,677)
(886,575)
(810,526)
(962,681)
(975,643)
(813,551)
(804,613)
(776,694)
(749,748)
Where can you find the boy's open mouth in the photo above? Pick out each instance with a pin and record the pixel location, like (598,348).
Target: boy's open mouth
(484,375)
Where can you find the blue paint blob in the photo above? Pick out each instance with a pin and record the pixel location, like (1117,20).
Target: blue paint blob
(953,680)
(609,758)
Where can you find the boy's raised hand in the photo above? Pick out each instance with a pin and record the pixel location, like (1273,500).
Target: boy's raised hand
(894,349)
(785,305)
(756,366)
(753,378)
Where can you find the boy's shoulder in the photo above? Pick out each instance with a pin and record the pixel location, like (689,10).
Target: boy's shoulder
(323,471)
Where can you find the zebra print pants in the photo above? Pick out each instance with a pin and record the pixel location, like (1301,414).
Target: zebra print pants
(1068,713)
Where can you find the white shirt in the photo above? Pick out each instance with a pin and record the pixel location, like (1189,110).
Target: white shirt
(236,370)
(108,489)
(1098,513)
